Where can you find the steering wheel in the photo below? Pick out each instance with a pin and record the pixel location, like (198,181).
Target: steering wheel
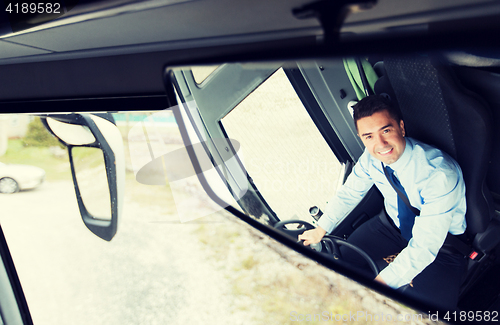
(332,243)
(329,244)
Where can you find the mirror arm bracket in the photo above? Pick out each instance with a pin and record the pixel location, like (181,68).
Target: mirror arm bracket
(331,15)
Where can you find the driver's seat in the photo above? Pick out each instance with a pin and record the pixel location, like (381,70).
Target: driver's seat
(439,111)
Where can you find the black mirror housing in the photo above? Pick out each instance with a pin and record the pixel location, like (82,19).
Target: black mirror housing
(94,131)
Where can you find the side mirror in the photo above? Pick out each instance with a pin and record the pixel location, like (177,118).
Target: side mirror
(96,155)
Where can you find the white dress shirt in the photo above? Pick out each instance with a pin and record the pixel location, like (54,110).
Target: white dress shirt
(434,184)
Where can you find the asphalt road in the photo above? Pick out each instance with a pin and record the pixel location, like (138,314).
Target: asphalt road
(151,273)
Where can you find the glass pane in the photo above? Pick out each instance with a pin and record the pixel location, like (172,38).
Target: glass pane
(157,269)
(92,181)
(202,72)
(284,153)
(70,133)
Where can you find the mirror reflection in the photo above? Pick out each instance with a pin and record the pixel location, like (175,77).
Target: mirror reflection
(72,134)
(377,144)
(92,181)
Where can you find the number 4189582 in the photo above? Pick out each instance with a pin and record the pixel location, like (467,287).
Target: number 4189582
(40,8)
(472,316)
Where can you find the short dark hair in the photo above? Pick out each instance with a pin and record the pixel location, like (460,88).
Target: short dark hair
(373,104)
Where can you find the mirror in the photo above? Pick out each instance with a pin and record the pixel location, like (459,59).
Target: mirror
(96,154)
(294,122)
(72,134)
(92,181)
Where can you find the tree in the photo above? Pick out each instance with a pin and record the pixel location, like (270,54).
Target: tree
(38,136)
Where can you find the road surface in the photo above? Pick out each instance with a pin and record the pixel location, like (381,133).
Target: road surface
(153,271)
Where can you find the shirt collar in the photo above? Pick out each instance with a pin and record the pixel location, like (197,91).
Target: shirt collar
(405,157)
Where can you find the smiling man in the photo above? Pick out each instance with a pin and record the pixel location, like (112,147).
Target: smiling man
(414,224)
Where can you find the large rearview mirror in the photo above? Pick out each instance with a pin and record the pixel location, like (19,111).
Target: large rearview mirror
(294,121)
(96,154)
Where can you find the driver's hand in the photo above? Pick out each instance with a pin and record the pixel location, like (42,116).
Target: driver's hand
(312,236)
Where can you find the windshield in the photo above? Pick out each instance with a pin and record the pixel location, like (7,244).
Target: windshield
(156,267)
(275,141)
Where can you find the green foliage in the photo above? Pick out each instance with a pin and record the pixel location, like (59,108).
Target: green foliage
(38,136)
(56,168)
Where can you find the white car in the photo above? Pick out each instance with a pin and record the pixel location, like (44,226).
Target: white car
(14,178)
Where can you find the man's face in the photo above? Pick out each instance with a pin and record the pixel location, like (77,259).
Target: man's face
(382,136)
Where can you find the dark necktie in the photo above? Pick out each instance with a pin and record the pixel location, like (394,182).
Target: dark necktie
(405,215)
